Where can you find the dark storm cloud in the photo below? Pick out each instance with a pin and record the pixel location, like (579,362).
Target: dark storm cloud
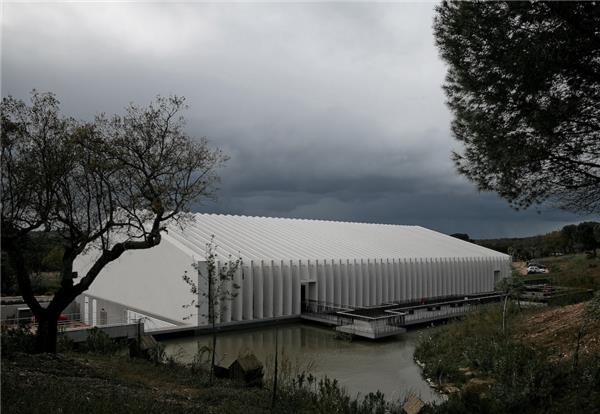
(328,111)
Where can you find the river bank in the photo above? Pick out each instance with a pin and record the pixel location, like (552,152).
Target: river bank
(530,366)
(100,377)
(75,382)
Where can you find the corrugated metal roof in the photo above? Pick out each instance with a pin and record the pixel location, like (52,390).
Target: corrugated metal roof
(264,238)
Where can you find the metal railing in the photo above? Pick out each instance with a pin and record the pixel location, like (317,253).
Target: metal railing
(391,323)
(69,321)
(315,306)
(390,318)
(428,315)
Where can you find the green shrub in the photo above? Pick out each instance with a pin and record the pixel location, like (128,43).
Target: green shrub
(64,344)
(466,402)
(17,339)
(569,298)
(99,342)
(157,354)
(309,394)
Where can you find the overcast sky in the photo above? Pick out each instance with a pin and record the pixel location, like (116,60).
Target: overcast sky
(330,111)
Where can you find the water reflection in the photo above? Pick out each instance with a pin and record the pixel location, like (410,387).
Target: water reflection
(361,366)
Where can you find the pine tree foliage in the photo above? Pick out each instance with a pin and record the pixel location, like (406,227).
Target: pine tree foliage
(523,84)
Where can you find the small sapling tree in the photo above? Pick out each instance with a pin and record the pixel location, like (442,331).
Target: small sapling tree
(591,314)
(512,288)
(275,370)
(221,289)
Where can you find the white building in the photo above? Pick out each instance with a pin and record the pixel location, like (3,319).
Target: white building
(288,263)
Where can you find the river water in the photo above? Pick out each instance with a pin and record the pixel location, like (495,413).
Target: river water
(360,366)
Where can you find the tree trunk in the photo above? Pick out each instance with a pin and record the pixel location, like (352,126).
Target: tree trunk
(504,315)
(47,319)
(212,320)
(275,371)
(214,350)
(580,335)
(45,339)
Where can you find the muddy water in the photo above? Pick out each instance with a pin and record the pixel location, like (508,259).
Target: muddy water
(361,366)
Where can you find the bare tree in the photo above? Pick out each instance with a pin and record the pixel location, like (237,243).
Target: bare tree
(221,288)
(511,287)
(112,184)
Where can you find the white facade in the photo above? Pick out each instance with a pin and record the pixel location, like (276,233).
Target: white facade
(288,261)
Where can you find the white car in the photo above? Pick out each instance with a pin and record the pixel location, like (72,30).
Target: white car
(535,269)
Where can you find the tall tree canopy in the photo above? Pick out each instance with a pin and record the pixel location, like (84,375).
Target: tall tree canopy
(113,183)
(523,84)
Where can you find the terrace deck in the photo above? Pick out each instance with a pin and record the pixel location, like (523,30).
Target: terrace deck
(393,318)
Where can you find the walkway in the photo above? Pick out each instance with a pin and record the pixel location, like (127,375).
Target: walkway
(393,318)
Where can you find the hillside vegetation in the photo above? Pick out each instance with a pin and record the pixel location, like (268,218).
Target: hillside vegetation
(528,368)
(577,270)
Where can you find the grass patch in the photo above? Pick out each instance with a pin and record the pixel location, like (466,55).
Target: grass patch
(46,383)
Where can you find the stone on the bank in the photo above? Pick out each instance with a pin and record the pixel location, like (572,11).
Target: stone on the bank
(413,405)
